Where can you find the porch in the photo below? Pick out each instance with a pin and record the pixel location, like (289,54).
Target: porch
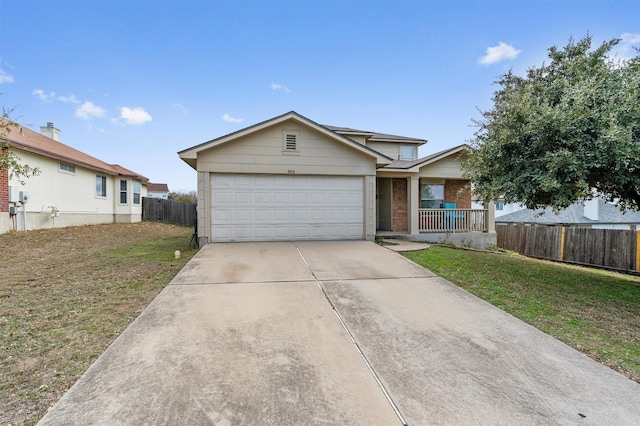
(453,220)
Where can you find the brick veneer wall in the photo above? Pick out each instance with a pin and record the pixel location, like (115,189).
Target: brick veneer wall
(399,219)
(451,189)
(4,191)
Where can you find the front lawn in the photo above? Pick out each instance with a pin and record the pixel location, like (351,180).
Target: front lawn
(594,311)
(65,295)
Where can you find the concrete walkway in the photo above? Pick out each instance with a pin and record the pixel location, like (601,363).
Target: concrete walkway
(335,333)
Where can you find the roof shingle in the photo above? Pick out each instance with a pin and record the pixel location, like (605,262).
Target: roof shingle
(25,139)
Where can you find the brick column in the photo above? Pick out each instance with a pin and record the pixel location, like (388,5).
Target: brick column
(399,221)
(4,191)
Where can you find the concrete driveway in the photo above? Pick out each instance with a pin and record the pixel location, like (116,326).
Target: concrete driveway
(335,333)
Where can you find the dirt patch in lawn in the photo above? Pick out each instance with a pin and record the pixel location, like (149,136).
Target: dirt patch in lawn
(65,295)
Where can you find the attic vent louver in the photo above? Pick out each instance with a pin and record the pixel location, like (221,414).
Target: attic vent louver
(290,139)
(291,143)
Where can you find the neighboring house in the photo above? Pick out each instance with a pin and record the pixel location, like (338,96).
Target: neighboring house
(72,188)
(157,190)
(290,178)
(501,207)
(594,213)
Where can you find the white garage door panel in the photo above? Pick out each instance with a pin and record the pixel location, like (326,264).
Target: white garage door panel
(284,207)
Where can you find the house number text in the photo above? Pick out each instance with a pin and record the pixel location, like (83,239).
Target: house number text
(291,172)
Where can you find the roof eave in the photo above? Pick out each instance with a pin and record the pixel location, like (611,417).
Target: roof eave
(192,153)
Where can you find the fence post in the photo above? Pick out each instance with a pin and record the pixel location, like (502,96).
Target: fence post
(638,251)
(562,244)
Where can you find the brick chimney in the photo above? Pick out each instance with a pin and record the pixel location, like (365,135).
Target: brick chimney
(50,131)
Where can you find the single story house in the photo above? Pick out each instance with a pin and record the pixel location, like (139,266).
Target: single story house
(594,213)
(290,178)
(158,190)
(72,189)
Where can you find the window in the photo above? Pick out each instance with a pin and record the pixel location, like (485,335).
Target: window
(136,192)
(432,196)
(407,152)
(123,192)
(101,186)
(290,140)
(500,205)
(68,168)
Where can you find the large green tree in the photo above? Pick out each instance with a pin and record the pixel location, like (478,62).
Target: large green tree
(10,161)
(567,131)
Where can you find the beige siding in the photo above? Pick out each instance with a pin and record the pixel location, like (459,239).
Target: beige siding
(370,208)
(204,207)
(389,149)
(262,152)
(360,139)
(448,167)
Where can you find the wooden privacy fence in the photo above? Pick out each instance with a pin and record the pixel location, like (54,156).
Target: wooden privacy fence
(168,211)
(609,248)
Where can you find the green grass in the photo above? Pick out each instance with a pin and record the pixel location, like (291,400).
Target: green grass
(65,295)
(594,311)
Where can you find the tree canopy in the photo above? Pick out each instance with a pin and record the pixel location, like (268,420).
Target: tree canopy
(566,132)
(10,161)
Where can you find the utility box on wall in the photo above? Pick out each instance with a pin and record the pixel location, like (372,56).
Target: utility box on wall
(14,194)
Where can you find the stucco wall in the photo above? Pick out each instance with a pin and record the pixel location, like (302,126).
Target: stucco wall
(5,223)
(73,195)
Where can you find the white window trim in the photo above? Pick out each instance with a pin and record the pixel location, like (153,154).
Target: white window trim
(104,189)
(286,134)
(133,192)
(120,191)
(413,153)
(66,171)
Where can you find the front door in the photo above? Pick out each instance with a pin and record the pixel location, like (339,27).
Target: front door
(383,207)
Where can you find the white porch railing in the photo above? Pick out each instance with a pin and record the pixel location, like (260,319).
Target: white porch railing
(452,220)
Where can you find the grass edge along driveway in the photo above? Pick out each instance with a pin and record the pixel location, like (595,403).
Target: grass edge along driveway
(594,311)
(65,295)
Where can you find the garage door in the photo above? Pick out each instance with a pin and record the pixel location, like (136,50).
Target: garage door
(286,207)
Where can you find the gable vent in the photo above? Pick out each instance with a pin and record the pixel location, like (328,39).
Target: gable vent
(291,142)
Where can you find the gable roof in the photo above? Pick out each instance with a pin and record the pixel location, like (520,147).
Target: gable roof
(27,140)
(406,165)
(157,187)
(375,137)
(189,155)
(574,214)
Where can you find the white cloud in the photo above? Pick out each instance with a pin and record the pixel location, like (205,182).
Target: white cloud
(69,99)
(135,116)
(626,49)
(181,108)
(88,110)
(279,88)
(230,119)
(45,97)
(499,53)
(5,78)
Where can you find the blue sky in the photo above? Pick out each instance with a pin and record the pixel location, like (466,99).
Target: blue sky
(133,82)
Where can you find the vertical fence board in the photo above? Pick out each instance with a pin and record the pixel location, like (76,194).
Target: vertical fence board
(610,248)
(168,211)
